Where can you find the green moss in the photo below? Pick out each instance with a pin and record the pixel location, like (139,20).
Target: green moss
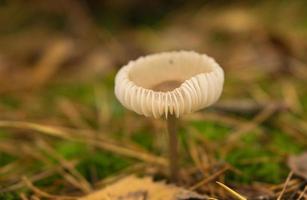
(117,109)
(92,160)
(284,143)
(70,150)
(266,170)
(211,131)
(9,196)
(266,165)
(270,172)
(6,158)
(4,134)
(78,92)
(101,164)
(144,139)
(303,101)
(49,181)
(10,102)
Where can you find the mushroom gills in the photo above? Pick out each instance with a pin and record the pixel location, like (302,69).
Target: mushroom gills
(166,86)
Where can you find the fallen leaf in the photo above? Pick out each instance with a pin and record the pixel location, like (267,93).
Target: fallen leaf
(298,164)
(134,188)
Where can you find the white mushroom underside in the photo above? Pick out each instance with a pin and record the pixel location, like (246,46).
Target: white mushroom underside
(173,83)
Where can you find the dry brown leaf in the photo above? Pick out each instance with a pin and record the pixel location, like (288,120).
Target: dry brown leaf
(298,164)
(134,188)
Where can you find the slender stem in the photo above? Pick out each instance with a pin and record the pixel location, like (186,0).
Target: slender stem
(173,147)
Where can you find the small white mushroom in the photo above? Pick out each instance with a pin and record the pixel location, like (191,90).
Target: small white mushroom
(169,85)
(173,83)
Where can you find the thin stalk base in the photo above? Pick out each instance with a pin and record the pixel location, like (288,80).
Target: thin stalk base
(173,147)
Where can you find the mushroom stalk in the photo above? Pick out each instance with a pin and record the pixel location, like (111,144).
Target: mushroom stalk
(173,147)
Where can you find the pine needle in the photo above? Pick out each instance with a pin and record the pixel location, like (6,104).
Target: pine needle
(303,193)
(231,191)
(285,185)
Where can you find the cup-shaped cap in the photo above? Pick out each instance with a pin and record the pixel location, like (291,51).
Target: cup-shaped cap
(169,83)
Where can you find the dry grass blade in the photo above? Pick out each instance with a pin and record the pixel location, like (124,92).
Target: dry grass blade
(23,196)
(240,106)
(260,118)
(35,127)
(231,191)
(291,97)
(56,54)
(216,117)
(6,168)
(195,155)
(74,176)
(102,106)
(57,132)
(285,186)
(278,187)
(33,197)
(209,179)
(130,153)
(39,176)
(72,113)
(292,130)
(303,193)
(42,193)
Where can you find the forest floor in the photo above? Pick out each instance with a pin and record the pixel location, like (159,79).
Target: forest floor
(64,135)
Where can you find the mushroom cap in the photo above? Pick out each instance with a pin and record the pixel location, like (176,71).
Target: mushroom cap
(169,83)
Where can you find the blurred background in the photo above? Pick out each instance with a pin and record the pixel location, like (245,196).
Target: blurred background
(63,131)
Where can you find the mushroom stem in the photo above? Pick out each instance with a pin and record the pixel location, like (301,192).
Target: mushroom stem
(173,147)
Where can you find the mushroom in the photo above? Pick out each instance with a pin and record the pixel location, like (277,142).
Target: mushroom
(169,85)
